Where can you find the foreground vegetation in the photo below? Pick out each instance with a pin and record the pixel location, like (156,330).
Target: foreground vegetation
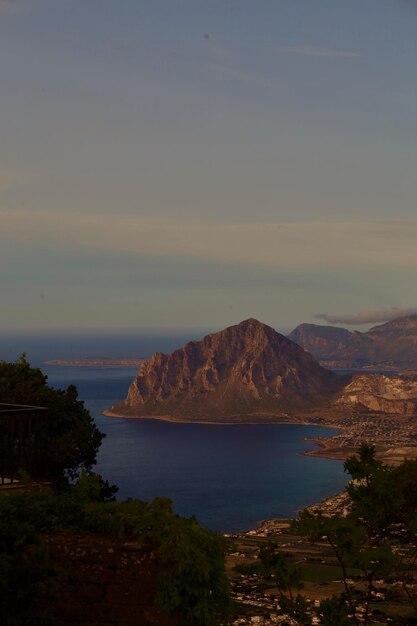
(195,585)
(371,550)
(362,565)
(67,435)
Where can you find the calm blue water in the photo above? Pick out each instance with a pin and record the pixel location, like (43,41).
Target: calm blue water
(230,477)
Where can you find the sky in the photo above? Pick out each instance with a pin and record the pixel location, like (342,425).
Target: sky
(192,163)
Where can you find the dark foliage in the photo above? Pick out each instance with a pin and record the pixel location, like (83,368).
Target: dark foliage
(68,436)
(196,587)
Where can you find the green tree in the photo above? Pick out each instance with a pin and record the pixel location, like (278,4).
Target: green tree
(355,548)
(274,567)
(364,465)
(276,570)
(335,612)
(68,435)
(383,495)
(386,504)
(377,539)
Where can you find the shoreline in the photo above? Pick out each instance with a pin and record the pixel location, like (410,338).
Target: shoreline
(263,418)
(268,526)
(390,434)
(328,506)
(322,444)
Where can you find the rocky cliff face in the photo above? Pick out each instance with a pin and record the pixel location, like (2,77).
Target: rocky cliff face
(388,394)
(391,345)
(247,368)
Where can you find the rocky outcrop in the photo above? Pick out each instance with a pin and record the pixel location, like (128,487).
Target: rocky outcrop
(392,345)
(386,394)
(243,370)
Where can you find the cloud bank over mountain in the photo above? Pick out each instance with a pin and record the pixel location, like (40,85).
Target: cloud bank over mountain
(366,317)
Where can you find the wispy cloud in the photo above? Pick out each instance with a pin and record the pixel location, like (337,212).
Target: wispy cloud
(356,245)
(314,51)
(224,63)
(366,317)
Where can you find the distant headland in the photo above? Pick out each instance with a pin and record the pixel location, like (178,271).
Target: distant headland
(249,373)
(97,362)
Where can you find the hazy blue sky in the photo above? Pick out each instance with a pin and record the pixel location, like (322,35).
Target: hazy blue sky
(191,163)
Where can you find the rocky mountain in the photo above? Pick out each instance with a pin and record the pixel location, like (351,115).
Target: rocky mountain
(385,394)
(320,340)
(247,369)
(392,345)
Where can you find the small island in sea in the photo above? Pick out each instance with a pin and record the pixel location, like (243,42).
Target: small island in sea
(96,362)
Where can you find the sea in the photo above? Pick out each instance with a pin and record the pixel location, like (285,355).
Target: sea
(231,477)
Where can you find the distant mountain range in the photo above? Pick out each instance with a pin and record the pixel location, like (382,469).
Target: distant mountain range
(392,345)
(251,372)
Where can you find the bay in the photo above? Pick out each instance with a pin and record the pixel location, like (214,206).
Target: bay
(230,477)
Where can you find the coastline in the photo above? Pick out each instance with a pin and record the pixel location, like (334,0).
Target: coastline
(389,434)
(350,431)
(325,445)
(337,503)
(254,418)
(392,435)
(267,526)
(327,450)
